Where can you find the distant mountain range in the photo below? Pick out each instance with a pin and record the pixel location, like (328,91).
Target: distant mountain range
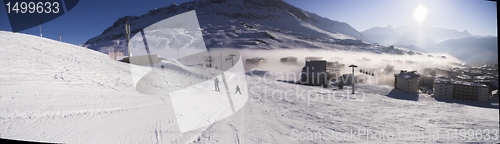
(473,50)
(424,38)
(273,24)
(438,34)
(462,45)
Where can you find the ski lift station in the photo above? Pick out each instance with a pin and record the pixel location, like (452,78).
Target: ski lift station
(314,72)
(318,71)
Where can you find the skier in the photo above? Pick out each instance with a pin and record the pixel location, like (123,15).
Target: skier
(237,90)
(216,83)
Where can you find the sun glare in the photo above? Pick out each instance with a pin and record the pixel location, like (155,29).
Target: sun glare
(420,13)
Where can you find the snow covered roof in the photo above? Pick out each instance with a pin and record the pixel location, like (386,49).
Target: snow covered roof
(408,75)
(441,80)
(316,60)
(468,83)
(290,57)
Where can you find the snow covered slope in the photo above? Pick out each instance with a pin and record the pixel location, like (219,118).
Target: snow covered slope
(56,92)
(261,24)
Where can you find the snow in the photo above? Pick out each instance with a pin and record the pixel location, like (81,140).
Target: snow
(56,92)
(240,24)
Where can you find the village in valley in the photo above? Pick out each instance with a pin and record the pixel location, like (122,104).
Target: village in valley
(459,83)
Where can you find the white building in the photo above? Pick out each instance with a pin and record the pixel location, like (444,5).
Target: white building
(334,69)
(470,91)
(443,88)
(406,81)
(460,90)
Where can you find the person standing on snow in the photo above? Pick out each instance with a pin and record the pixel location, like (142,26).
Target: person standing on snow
(216,83)
(237,90)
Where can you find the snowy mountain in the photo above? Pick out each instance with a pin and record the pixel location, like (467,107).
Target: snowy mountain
(459,44)
(439,34)
(382,35)
(263,24)
(472,50)
(61,93)
(416,39)
(406,35)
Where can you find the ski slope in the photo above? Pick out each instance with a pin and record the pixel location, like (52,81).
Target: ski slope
(56,92)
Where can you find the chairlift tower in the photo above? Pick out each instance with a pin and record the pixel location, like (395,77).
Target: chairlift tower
(353,66)
(231,57)
(127,32)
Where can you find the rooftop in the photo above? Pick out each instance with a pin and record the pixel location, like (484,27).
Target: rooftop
(316,60)
(469,83)
(408,74)
(441,80)
(289,57)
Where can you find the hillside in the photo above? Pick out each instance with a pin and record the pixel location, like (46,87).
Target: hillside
(263,24)
(61,93)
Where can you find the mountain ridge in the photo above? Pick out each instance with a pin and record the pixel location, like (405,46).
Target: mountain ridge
(471,49)
(262,15)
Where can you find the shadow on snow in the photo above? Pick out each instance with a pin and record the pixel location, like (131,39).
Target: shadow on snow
(399,94)
(472,103)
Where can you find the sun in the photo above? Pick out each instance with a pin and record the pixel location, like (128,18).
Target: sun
(420,13)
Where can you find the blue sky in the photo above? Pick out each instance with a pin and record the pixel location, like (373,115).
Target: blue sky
(479,17)
(90,17)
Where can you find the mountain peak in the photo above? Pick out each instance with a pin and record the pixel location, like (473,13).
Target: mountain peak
(389,27)
(466,32)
